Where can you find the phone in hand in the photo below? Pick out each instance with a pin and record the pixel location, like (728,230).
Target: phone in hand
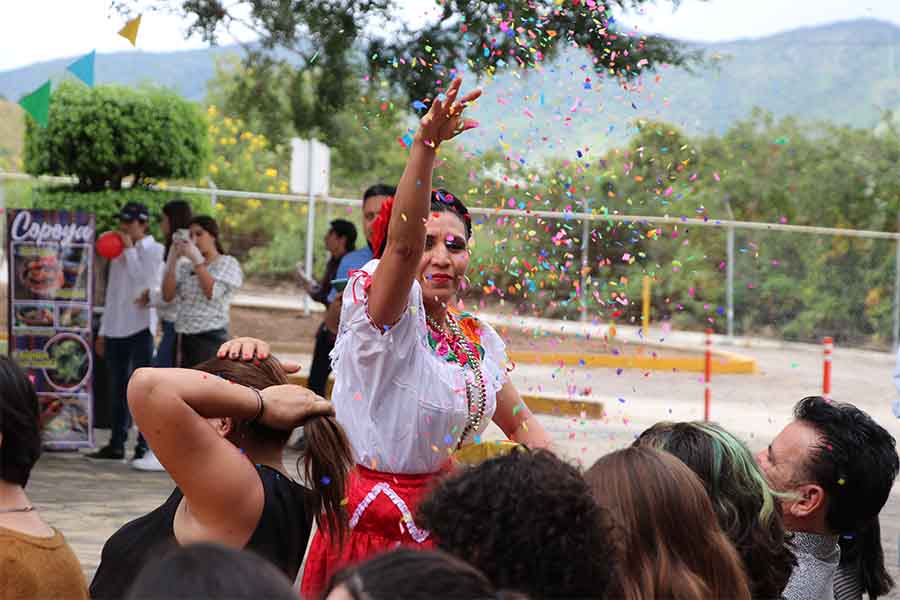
(182,235)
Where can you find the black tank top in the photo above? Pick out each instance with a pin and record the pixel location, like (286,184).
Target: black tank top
(280,536)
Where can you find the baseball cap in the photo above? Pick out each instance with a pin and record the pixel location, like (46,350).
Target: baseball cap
(134,211)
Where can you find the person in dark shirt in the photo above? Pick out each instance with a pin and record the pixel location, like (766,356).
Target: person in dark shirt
(340,240)
(220,430)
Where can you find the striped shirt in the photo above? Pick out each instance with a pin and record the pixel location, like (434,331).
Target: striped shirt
(847,582)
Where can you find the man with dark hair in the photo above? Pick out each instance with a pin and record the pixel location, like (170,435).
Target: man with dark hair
(836,467)
(371,206)
(126,331)
(340,239)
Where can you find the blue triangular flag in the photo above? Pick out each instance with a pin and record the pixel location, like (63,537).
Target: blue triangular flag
(83,68)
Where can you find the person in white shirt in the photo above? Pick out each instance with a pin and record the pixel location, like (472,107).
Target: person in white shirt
(176,216)
(125,338)
(415,380)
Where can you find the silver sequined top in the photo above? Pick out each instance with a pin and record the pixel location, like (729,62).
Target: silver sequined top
(817,560)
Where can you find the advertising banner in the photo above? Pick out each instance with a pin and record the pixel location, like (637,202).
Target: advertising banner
(51,259)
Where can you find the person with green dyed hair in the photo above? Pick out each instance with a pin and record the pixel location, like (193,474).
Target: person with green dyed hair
(747,509)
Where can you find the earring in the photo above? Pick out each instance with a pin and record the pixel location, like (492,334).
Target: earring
(465,288)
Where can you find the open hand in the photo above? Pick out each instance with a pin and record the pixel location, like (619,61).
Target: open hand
(244,348)
(248,348)
(444,119)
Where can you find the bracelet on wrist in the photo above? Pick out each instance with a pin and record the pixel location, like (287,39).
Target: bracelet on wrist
(260,408)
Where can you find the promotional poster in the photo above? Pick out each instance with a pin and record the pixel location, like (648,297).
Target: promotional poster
(51,301)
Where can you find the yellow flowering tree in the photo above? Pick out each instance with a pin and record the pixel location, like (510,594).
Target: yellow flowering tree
(245,160)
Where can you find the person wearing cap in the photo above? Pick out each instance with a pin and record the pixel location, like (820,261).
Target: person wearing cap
(125,338)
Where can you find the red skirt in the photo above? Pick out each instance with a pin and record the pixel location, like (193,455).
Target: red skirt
(381,507)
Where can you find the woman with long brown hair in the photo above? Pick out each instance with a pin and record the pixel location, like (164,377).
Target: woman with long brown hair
(748,510)
(671,545)
(220,431)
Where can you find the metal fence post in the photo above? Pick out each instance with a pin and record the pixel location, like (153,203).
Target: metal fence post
(3,224)
(729,282)
(585,266)
(213,198)
(896,337)
(729,270)
(310,234)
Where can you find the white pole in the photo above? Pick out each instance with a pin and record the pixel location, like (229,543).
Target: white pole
(585,241)
(310,222)
(213,199)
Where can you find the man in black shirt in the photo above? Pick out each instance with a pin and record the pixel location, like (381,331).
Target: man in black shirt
(340,239)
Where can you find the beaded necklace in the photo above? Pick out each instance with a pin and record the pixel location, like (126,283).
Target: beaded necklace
(459,344)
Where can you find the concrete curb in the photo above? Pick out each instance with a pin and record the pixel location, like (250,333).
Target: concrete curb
(723,363)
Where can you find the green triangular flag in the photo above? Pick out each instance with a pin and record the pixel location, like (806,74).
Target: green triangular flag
(37,104)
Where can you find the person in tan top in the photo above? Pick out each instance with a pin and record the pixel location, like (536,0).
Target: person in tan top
(35,560)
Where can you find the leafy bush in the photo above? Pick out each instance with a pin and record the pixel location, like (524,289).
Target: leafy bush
(105,134)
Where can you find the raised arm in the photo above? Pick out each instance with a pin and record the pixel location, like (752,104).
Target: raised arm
(406,233)
(170,275)
(222,488)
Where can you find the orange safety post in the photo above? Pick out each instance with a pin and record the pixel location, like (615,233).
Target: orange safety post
(826,371)
(707,376)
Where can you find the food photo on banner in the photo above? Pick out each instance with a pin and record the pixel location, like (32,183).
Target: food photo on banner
(51,303)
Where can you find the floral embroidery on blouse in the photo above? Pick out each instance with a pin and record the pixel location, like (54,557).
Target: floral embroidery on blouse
(450,350)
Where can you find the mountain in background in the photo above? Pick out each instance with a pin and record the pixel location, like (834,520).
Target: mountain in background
(845,73)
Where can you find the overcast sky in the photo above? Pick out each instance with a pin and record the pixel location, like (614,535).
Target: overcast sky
(38,30)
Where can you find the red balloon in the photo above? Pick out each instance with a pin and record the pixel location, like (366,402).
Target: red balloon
(109,245)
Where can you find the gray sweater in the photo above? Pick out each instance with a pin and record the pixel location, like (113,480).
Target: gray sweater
(817,560)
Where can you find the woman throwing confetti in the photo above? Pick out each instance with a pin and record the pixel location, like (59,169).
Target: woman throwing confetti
(414,379)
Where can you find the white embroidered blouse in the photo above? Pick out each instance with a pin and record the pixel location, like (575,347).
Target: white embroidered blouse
(404,407)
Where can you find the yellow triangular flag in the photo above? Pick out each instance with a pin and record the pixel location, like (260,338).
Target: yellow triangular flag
(129,32)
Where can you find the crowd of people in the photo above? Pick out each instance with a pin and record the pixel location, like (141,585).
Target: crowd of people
(187,284)
(385,507)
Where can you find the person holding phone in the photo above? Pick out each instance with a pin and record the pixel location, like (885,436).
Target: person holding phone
(340,240)
(202,287)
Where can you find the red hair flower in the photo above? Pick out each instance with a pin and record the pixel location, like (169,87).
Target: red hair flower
(380,227)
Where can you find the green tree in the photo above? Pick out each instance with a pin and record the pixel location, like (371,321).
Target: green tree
(106,134)
(333,43)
